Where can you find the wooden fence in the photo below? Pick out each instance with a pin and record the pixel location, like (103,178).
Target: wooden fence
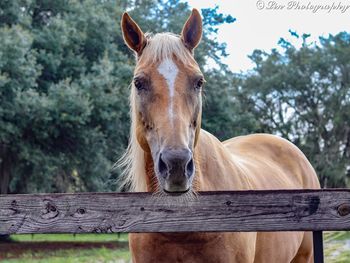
(244,211)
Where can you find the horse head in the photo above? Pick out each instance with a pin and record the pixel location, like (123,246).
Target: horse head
(166,99)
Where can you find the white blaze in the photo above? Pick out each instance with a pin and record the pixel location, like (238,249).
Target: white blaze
(169,70)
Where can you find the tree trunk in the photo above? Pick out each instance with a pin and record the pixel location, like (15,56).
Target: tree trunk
(5,170)
(5,238)
(5,166)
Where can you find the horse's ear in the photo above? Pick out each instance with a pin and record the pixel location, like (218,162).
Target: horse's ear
(192,31)
(132,34)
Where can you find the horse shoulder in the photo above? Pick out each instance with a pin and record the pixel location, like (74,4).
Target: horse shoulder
(273,162)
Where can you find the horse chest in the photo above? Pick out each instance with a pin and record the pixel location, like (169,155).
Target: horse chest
(185,248)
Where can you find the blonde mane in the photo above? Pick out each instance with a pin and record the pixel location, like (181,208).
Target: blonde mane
(164,46)
(159,47)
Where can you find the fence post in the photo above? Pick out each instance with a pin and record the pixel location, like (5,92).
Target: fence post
(318,246)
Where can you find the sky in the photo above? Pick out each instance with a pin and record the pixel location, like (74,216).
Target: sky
(260,24)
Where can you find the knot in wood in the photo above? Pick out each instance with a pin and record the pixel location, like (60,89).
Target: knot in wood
(344,209)
(50,211)
(81,211)
(14,207)
(51,208)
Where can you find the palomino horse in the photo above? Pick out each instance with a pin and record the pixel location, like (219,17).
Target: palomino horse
(170,154)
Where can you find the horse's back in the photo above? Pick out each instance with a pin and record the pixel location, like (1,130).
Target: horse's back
(271,162)
(275,163)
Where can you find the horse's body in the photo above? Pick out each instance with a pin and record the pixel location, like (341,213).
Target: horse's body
(248,162)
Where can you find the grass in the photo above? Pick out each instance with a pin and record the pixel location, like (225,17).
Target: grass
(74,256)
(100,254)
(336,249)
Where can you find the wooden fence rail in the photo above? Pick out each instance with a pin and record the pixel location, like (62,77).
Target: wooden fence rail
(281,210)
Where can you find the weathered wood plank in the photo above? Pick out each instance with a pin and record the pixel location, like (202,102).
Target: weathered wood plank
(281,210)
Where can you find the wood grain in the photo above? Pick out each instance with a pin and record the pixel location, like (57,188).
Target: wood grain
(282,210)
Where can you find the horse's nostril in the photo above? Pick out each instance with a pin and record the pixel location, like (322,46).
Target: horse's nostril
(162,167)
(189,168)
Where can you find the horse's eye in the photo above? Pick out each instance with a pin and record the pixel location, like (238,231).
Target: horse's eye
(138,84)
(199,83)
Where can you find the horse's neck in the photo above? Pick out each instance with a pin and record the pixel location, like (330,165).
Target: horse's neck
(216,167)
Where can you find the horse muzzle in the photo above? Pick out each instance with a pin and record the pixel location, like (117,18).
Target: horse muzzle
(175,169)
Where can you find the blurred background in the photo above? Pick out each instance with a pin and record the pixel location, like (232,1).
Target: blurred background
(64,84)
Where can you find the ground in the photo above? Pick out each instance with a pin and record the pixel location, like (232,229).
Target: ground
(67,248)
(111,248)
(337,247)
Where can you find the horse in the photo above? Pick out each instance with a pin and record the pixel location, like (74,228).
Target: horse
(169,154)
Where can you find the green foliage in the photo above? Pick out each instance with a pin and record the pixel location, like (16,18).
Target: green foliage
(63,96)
(336,248)
(304,95)
(223,113)
(64,87)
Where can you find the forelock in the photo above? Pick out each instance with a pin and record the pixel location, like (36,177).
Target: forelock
(164,46)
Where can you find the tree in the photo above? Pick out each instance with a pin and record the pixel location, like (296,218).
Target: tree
(64,85)
(304,95)
(59,95)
